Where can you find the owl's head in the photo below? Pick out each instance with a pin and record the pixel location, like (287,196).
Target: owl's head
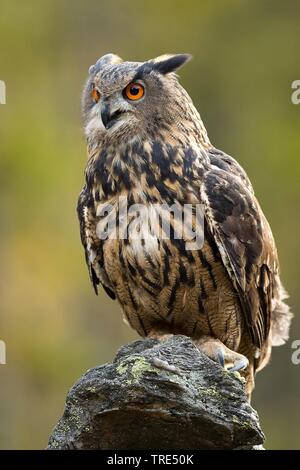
(129,99)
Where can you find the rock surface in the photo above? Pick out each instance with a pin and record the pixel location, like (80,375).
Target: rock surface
(158,395)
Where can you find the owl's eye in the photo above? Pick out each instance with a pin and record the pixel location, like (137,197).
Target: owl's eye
(134,91)
(95,95)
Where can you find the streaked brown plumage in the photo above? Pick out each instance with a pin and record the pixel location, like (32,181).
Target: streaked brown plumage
(227,295)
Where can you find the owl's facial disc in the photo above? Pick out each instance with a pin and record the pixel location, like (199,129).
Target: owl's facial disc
(124,99)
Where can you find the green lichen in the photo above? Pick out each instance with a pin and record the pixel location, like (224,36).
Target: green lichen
(54,444)
(122,368)
(141,366)
(63,428)
(248,424)
(76,414)
(245,424)
(136,368)
(236,420)
(210,391)
(237,375)
(93,390)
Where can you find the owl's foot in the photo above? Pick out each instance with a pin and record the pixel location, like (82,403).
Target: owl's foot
(218,352)
(160,335)
(161,364)
(157,362)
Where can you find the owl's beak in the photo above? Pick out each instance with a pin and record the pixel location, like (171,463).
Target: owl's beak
(108,116)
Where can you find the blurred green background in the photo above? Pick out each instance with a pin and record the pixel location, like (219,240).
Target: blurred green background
(246,55)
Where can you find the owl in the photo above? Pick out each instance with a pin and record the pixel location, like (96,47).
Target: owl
(149,150)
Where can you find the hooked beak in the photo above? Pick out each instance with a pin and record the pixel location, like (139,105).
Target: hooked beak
(108,117)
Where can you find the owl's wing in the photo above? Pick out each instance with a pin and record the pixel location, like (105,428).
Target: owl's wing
(244,240)
(92,244)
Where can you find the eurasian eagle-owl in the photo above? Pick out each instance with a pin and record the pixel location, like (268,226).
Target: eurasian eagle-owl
(148,145)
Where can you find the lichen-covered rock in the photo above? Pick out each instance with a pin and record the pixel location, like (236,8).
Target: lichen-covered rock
(158,395)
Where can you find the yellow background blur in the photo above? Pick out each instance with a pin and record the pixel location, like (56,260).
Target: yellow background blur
(246,55)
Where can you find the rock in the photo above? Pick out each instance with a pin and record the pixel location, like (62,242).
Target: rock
(158,395)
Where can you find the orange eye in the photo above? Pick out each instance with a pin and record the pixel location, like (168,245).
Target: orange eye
(134,91)
(95,95)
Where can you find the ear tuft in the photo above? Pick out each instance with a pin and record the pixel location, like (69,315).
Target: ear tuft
(169,62)
(107,59)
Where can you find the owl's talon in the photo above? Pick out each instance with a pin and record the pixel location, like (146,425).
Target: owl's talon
(240,365)
(231,361)
(221,356)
